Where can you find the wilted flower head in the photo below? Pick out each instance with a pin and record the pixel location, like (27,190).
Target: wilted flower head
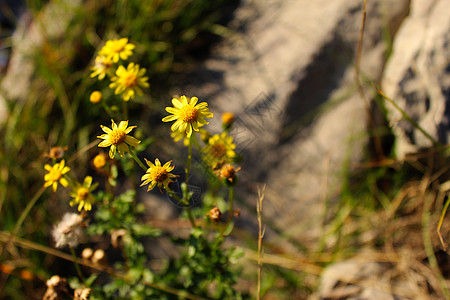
(69,232)
(56,152)
(56,288)
(215,214)
(81,294)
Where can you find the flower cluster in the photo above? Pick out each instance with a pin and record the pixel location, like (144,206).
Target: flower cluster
(126,81)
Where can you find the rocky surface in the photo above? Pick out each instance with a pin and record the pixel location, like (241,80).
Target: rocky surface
(287,72)
(417,76)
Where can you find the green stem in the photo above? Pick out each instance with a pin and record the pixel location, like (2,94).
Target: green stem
(107,109)
(139,162)
(186,205)
(190,216)
(410,120)
(230,200)
(75,261)
(189,159)
(22,217)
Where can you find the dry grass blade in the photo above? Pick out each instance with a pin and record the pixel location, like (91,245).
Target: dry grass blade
(261,231)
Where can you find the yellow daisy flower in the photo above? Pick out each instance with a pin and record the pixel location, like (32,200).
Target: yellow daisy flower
(117,49)
(188,114)
(128,81)
(220,149)
(102,67)
(55,174)
(117,138)
(82,194)
(158,175)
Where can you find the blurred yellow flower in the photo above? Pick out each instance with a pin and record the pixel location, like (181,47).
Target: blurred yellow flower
(158,175)
(95,97)
(117,138)
(55,174)
(188,114)
(101,67)
(117,49)
(82,194)
(220,149)
(128,81)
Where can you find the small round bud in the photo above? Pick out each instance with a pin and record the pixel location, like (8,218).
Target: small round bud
(99,161)
(99,254)
(95,97)
(227,119)
(87,253)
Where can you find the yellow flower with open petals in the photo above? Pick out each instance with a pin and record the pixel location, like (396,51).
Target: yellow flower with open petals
(129,81)
(102,67)
(158,175)
(117,138)
(220,149)
(55,174)
(82,194)
(188,114)
(117,49)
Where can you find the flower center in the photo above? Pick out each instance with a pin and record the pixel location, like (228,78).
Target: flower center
(188,114)
(218,150)
(159,174)
(130,80)
(117,47)
(117,136)
(82,193)
(54,174)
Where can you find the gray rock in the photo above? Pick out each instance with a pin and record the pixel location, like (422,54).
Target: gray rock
(417,76)
(289,78)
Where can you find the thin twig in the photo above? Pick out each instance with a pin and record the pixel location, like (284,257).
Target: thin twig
(261,232)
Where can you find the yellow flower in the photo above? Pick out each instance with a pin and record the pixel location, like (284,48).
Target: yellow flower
(117,138)
(55,174)
(158,175)
(220,149)
(128,81)
(117,49)
(82,194)
(95,97)
(187,114)
(102,67)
